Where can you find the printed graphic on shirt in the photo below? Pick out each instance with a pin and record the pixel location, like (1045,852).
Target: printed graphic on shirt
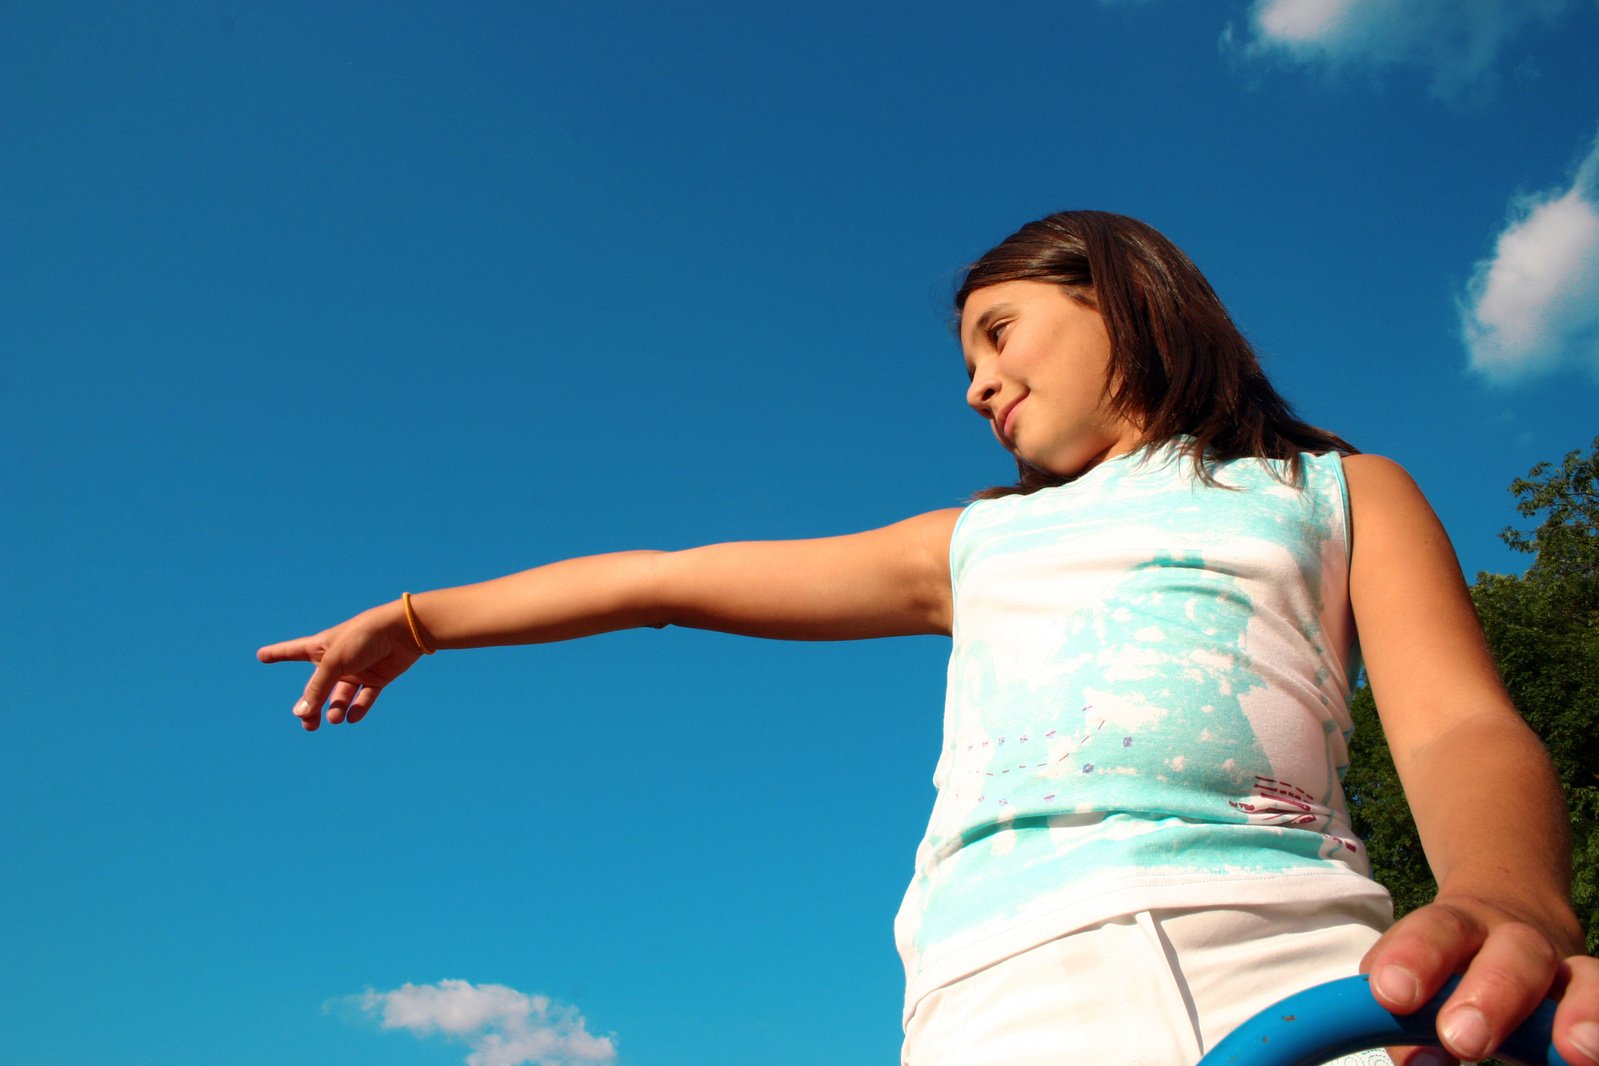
(1139,690)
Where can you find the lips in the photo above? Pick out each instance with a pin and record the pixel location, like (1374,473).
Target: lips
(1005,420)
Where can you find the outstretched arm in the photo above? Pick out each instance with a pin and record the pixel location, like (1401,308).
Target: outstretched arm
(892,581)
(1482,789)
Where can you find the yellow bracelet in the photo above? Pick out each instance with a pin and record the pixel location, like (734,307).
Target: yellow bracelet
(416,627)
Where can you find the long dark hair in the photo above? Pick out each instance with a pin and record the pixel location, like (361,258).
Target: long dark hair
(1179,366)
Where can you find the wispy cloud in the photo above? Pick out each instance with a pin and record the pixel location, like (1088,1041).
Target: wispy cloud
(1534,304)
(502,1026)
(1457,41)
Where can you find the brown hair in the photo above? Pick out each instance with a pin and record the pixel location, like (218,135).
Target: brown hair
(1179,366)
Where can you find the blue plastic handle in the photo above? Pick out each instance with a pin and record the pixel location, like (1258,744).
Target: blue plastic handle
(1342,1017)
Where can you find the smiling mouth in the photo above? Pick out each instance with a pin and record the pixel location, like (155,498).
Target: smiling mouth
(1007,420)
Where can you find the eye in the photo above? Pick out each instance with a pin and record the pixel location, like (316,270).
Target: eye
(996,333)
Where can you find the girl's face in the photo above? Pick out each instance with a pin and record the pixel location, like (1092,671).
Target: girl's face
(1040,368)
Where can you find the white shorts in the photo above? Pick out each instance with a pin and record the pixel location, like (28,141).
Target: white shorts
(1152,989)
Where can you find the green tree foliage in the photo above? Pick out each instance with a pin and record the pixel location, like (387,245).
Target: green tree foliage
(1543,627)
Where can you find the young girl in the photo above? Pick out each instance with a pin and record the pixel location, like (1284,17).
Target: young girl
(1139,838)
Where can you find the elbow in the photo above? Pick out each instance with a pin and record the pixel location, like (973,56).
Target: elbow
(650,603)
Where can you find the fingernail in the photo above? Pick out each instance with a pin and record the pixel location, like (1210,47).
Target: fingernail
(1397,984)
(1585,1035)
(302,708)
(1466,1032)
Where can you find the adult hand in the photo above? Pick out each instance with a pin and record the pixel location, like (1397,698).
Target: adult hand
(1509,962)
(354,661)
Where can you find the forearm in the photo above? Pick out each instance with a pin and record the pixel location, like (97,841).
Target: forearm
(1492,819)
(560,601)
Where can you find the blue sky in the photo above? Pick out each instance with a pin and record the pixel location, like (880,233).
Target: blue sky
(309,304)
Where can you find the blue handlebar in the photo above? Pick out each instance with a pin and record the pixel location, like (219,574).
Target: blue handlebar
(1342,1017)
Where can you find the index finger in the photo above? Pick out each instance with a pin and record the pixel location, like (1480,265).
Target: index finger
(298,650)
(1412,960)
(317,691)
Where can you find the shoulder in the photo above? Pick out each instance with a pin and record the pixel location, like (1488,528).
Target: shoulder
(1400,555)
(933,528)
(921,541)
(919,545)
(1385,501)
(1377,474)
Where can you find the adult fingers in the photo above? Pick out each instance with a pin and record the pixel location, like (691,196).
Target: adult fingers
(362,703)
(1507,978)
(1577,1017)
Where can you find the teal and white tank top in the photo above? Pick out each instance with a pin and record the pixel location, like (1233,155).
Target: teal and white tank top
(1147,708)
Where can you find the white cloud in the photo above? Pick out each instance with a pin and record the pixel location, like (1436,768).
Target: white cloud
(1456,40)
(502,1026)
(1534,304)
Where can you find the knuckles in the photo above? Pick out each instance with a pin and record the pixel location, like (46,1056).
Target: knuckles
(1457,923)
(1529,943)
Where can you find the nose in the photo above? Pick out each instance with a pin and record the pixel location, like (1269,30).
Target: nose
(980,395)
